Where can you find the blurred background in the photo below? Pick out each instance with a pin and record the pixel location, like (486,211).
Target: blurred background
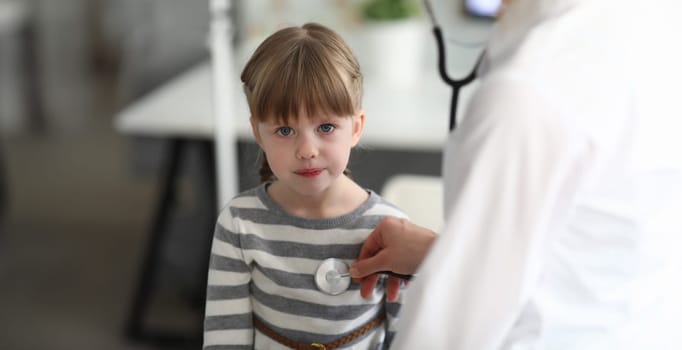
(81,196)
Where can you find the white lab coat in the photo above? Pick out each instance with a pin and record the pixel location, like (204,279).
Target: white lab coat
(563,201)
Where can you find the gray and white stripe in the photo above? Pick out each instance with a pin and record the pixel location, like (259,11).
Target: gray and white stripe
(263,263)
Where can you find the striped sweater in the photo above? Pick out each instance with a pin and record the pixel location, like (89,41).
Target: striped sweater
(263,262)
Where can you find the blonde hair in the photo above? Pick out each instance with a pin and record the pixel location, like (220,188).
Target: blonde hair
(308,69)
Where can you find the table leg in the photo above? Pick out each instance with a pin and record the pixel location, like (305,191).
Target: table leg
(3,188)
(208,160)
(33,97)
(147,279)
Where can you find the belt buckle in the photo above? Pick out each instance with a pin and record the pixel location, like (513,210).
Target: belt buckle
(318,346)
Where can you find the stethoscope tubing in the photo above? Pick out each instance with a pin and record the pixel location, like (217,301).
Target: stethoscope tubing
(455,84)
(397,275)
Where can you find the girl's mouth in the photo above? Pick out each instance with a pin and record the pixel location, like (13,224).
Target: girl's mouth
(312,172)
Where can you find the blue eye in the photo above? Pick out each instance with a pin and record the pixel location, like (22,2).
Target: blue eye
(285,131)
(326,128)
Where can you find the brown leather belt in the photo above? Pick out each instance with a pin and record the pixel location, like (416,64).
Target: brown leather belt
(319,346)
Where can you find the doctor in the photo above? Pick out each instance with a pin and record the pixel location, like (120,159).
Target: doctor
(563,191)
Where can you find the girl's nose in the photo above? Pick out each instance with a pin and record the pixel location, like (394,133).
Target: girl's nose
(306,149)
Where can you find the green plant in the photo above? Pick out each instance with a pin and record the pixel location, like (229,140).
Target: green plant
(384,10)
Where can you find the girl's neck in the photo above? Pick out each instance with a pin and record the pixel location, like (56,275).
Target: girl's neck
(342,198)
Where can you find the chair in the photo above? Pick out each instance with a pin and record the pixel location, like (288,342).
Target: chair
(419,196)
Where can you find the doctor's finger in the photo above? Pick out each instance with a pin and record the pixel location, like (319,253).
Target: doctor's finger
(368,285)
(392,288)
(370,265)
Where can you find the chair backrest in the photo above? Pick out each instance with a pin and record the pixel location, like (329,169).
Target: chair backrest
(419,196)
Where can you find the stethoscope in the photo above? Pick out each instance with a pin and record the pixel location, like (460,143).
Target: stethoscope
(331,276)
(455,84)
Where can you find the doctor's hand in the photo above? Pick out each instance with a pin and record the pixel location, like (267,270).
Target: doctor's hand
(396,245)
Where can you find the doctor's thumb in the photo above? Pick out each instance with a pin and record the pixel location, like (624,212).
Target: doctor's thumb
(367,266)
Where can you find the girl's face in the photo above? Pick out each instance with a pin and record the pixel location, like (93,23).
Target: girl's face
(309,154)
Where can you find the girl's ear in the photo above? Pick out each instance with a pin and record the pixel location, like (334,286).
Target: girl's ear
(358,126)
(254,130)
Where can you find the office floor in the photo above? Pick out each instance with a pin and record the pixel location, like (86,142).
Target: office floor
(72,242)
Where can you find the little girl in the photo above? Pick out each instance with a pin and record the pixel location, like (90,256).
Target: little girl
(304,89)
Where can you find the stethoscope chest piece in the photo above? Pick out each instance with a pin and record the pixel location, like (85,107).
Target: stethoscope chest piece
(332,277)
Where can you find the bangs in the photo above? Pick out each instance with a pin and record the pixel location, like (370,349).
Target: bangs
(305,80)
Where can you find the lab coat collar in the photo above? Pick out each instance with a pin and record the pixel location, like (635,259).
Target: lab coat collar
(523,16)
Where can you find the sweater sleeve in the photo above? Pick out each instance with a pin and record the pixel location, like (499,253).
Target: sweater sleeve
(228,322)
